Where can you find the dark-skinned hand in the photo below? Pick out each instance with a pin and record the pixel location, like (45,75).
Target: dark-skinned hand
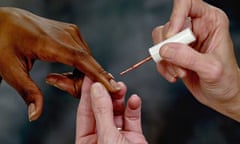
(25,37)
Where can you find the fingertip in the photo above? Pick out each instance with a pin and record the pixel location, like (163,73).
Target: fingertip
(181,72)
(115,85)
(33,112)
(163,70)
(97,90)
(134,102)
(102,107)
(132,115)
(157,34)
(120,94)
(61,82)
(86,84)
(35,109)
(177,18)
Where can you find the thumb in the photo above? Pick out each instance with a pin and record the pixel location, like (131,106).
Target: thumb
(204,65)
(29,91)
(68,82)
(102,109)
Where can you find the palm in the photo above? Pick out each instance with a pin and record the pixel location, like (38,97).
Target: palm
(123,137)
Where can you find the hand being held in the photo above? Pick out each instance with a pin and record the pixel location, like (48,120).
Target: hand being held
(99,117)
(25,37)
(207,67)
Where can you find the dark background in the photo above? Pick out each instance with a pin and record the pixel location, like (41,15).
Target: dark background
(119,34)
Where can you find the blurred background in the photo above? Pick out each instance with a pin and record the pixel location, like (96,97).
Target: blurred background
(119,34)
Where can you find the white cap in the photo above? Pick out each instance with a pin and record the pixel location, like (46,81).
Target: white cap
(186,37)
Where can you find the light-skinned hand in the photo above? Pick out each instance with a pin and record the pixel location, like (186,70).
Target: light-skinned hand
(102,118)
(207,67)
(25,37)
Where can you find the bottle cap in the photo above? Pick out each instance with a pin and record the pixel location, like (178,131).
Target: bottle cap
(186,37)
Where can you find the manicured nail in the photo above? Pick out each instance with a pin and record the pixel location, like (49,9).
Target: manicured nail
(31,112)
(115,84)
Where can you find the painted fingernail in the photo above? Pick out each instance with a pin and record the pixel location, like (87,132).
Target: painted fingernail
(31,112)
(115,84)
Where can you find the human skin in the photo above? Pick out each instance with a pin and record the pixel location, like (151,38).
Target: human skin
(207,67)
(100,115)
(25,37)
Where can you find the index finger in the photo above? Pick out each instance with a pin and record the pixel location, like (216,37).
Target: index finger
(85,117)
(79,58)
(183,9)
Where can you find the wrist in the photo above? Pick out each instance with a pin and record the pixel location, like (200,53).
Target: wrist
(231,107)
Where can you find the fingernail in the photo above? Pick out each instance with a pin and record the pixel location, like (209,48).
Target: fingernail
(172,79)
(170,31)
(50,81)
(181,73)
(31,112)
(96,89)
(115,84)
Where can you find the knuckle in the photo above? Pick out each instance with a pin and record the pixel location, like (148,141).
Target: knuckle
(100,106)
(215,71)
(101,110)
(221,18)
(190,61)
(73,27)
(186,57)
(133,117)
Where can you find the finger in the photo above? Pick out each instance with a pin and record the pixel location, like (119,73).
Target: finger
(93,70)
(166,71)
(30,92)
(118,105)
(182,10)
(80,59)
(102,109)
(121,93)
(180,72)
(169,71)
(76,35)
(157,34)
(132,117)
(85,117)
(207,67)
(68,82)
(160,33)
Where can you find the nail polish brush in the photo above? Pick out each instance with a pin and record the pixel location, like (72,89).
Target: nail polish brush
(186,37)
